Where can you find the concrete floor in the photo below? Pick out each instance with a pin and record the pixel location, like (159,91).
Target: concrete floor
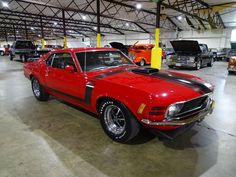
(53,139)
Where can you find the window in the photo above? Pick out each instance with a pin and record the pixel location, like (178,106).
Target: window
(61,60)
(49,60)
(101,60)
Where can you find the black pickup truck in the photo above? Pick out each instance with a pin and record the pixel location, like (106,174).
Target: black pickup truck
(190,54)
(22,49)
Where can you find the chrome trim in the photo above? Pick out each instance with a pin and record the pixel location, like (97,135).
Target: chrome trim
(182,102)
(200,116)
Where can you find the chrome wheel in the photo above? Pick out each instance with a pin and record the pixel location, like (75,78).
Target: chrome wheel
(114,119)
(142,63)
(36,87)
(198,65)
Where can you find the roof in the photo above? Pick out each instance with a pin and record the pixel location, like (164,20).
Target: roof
(85,49)
(117,17)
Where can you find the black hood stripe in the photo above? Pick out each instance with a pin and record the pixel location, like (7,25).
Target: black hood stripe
(197,86)
(100,76)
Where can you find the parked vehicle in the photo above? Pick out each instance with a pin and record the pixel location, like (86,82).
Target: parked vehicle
(190,54)
(139,53)
(125,96)
(232,59)
(214,53)
(232,62)
(22,49)
(2,51)
(221,54)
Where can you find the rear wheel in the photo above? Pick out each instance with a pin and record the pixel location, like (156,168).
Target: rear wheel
(1,53)
(117,121)
(211,63)
(142,62)
(10,57)
(38,90)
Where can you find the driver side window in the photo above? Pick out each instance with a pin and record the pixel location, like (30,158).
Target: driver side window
(61,60)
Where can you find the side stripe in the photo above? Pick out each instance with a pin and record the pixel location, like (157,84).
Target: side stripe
(86,99)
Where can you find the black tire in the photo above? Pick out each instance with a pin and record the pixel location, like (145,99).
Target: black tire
(130,126)
(142,62)
(40,94)
(170,66)
(1,53)
(211,63)
(198,65)
(10,57)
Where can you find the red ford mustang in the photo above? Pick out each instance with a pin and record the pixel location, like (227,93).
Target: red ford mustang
(126,97)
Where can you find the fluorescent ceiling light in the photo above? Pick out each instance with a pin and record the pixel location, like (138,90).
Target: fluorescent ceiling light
(5,4)
(32,28)
(138,6)
(179,17)
(127,24)
(55,23)
(83,17)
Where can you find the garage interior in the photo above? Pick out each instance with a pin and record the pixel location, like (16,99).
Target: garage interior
(57,139)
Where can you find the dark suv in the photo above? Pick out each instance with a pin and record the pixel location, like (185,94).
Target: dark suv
(22,49)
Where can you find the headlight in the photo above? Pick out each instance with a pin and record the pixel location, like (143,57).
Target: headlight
(191,59)
(174,109)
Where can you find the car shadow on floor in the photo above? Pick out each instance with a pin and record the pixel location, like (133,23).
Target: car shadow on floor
(75,130)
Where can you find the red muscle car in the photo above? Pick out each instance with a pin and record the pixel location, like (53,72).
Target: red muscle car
(125,96)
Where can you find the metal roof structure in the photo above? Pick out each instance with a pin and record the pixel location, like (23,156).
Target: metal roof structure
(21,18)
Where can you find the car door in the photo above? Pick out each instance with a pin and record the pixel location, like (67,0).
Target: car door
(62,82)
(205,57)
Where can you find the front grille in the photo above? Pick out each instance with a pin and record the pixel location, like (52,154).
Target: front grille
(193,106)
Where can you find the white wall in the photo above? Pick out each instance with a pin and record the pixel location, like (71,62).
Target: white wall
(213,38)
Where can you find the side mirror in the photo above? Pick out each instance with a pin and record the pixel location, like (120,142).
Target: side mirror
(70,68)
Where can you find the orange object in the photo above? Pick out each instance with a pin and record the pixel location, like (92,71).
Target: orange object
(141,53)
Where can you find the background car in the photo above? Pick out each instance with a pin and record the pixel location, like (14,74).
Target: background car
(190,54)
(139,53)
(22,49)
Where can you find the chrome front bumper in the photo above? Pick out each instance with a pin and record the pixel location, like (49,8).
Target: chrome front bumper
(199,117)
(182,64)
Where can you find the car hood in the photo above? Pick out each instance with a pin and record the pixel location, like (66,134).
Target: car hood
(163,83)
(120,46)
(185,46)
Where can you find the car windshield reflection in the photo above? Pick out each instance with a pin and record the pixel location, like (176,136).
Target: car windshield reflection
(99,60)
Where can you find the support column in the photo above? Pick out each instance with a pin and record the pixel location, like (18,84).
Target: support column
(64,29)
(156,58)
(14,31)
(98,25)
(26,31)
(42,32)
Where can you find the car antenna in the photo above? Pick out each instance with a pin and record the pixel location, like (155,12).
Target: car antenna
(85,61)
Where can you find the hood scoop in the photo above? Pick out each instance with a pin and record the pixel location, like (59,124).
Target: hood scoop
(145,71)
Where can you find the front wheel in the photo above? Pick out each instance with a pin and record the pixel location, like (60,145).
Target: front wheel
(198,65)
(142,62)
(38,90)
(1,53)
(117,121)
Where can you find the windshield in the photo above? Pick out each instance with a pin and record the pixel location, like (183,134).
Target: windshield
(24,45)
(96,60)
